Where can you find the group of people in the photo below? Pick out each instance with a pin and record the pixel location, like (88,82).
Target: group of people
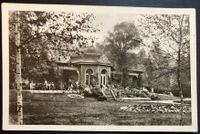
(42,86)
(49,85)
(71,84)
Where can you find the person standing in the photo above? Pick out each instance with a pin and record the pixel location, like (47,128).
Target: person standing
(32,85)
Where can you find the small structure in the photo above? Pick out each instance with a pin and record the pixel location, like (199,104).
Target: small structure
(88,69)
(133,75)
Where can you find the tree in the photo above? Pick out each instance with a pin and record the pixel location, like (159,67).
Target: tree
(120,42)
(172,33)
(161,79)
(18,73)
(25,38)
(33,34)
(139,81)
(47,35)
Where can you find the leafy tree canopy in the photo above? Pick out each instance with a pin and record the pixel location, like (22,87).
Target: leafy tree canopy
(44,36)
(168,38)
(120,43)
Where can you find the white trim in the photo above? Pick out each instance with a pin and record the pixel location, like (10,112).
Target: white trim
(88,75)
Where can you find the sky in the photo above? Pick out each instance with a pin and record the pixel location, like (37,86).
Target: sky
(107,18)
(106,22)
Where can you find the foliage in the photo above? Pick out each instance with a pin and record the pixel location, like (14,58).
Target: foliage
(44,36)
(172,32)
(139,81)
(120,42)
(170,61)
(186,90)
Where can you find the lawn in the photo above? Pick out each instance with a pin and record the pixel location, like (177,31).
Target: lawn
(59,109)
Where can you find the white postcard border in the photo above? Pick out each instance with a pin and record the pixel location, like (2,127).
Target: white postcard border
(77,8)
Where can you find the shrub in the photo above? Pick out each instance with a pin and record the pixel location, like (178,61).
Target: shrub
(101,98)
(154,97)
(160,90)
(94,92)
(186,90)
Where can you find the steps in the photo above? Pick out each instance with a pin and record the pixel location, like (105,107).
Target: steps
(109,94)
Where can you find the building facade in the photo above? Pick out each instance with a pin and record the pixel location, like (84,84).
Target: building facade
(89,68)
(86,69)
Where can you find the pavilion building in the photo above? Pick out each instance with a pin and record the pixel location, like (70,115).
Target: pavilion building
(90,68)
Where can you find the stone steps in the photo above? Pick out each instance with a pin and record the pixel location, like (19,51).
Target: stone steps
(110,95)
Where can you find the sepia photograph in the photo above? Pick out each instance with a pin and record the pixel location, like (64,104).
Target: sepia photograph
(105,68)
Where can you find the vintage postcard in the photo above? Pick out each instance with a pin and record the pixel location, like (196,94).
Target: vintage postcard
(98,68)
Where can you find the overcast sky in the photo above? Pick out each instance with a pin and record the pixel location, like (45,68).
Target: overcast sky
(106,22)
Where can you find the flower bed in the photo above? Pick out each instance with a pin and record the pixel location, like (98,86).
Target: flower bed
(155,108)
(134,93)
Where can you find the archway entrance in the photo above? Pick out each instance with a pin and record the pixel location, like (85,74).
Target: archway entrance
(103,77)
(89,77)
(69,77)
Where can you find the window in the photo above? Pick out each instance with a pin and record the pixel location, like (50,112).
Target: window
(89,76)
(103,77)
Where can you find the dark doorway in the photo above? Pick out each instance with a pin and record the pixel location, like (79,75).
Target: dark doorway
(69,76)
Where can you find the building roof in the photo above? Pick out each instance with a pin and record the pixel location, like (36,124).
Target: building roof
(91,56)
(137,68)
(91,59)
(88,56)
(129,73)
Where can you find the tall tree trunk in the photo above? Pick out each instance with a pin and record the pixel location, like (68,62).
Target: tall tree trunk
(179,67)
(18,73)
(123,78)
(179,83)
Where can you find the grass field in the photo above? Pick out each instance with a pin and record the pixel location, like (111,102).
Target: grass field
(57,109)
